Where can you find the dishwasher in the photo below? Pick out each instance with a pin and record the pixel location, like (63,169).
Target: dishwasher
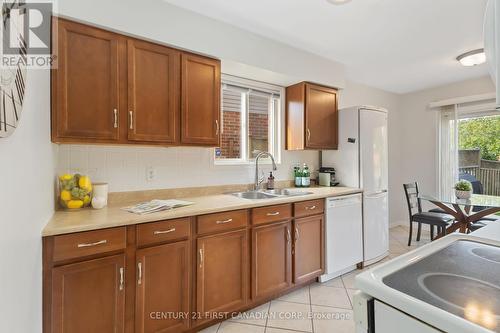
(343,235)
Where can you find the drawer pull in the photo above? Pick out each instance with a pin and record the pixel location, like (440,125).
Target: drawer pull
(161,232)
(297,235)
(101,242)
(224,221)
(115,115)
(139,268)
(273,214)
(310,207)
(121,278)
(288,235)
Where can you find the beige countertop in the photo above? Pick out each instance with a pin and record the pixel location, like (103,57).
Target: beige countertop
(64,222)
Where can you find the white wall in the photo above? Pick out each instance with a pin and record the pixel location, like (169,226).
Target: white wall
(418,160)
(26,204)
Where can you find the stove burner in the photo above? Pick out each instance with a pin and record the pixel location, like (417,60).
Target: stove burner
(483,307)
(487,254)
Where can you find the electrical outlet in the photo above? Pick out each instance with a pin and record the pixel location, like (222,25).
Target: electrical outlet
(150,173)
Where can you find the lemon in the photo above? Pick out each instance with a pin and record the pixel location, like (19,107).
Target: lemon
(66,176)
(75,204)
(85,183)
(65,195)
(86,200)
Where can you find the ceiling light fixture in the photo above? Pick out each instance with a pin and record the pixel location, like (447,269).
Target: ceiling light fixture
(338,2)
(472,58)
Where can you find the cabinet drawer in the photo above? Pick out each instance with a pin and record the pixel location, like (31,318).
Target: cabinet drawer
(271,214)
(307,208)
(157,232)
(88,243)
(222,221)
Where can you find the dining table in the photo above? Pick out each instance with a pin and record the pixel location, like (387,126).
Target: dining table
(463,209)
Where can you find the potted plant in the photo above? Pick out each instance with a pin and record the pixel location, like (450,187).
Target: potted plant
(463,189)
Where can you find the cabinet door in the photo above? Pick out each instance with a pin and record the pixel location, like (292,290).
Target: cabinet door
(153,92)
(271,259)
(85,84)
(162,288)
(308,251)
(200,116)
(89,296)
(222,273)
(321,117)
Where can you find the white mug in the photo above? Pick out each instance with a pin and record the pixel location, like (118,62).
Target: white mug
(100,193)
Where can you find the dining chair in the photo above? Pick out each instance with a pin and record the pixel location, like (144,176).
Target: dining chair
(433,219)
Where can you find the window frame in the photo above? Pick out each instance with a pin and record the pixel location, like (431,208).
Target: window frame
(275,110)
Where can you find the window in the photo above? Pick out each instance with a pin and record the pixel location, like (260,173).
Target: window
(250,120)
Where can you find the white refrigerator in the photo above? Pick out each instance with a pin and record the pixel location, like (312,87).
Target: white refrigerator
(362,161)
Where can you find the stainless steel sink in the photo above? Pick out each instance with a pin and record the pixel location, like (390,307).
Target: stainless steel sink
(269,194)
(253,195)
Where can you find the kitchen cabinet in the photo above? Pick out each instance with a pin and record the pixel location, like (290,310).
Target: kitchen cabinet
(200,101)
(111,88)
(85,84)
(153,92)
(89,296)
(271,259)
(162,288)
(311,117)
(222,272)
(308,254)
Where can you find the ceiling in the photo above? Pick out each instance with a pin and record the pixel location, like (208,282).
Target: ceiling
(396,45)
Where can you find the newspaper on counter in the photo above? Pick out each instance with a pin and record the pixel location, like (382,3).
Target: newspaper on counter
(156,205)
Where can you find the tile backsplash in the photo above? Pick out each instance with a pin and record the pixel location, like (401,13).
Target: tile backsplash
(127,168)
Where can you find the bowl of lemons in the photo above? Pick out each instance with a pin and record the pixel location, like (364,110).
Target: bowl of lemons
(75,191)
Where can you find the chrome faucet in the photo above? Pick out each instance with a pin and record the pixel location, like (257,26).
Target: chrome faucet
(258,180)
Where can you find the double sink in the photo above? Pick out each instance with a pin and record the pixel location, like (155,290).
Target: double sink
(270,194)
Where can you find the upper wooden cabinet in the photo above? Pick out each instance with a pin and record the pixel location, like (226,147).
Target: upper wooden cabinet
(85,85)
(311,117)
(153,92)
(200,100)
(110,88)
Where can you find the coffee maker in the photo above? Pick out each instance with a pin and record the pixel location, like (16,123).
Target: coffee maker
(327,177)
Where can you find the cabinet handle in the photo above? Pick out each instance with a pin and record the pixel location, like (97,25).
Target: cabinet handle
(201,257)
(297,235)
(273,214)
(139,268)
(131,116)
(115,114)
(104,241)
(121,278)
(216,127)
(311,208)
(160,232)
(224,222)
(288,235)
(308,134)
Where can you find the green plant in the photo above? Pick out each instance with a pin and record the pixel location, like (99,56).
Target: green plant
(481,133)
(463,185)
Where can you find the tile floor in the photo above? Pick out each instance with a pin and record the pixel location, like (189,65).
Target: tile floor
(318,308)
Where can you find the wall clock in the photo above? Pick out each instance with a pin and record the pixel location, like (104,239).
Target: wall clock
(12,80)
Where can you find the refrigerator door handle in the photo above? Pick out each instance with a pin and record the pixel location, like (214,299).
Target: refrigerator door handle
(375,194)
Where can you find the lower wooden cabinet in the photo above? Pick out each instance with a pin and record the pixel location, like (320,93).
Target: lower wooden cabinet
(162,288)
(271,259)
(308,254)
(222,272)
(89,296)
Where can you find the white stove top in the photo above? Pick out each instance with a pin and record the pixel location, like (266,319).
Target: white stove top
(452,284)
